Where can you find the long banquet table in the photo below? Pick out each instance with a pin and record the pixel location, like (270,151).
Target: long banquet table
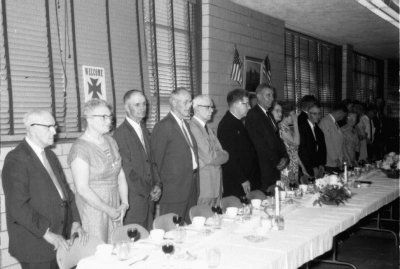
(308,233)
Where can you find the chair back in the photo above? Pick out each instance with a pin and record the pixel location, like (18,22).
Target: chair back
(230,201)
(67,259)
(120,233)
(256,194)
(164,222)
(200,210)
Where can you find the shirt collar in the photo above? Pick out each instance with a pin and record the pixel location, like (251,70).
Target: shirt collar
(38,150)
(133,123)
(311,124)
(332,117)
(199,120)
(177,118)
(263,109)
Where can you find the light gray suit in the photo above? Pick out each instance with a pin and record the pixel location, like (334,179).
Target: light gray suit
(333,140)
(211,157)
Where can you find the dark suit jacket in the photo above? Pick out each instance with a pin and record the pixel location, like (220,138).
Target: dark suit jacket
(33,204)
(173,159)
(268,144)
(312,153)
(302,118)
(139,170)
(242,163)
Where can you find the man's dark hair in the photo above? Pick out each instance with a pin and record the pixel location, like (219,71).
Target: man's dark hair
(236,95)
(340,107)
(307,101)
(263,86)
(129,93)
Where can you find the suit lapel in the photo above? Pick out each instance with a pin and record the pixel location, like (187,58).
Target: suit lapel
(265,118)
(135,137)
(39,165)
(177,127)
(57,173)
(145,138)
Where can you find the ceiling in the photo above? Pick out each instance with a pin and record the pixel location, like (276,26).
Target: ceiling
(336,21)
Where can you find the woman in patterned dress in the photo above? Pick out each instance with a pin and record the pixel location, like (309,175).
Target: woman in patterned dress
(101,188)
(289,132)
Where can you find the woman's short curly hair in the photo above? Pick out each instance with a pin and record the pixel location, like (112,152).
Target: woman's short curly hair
(93,104)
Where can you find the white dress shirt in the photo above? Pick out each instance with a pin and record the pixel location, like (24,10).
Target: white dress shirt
(138,129)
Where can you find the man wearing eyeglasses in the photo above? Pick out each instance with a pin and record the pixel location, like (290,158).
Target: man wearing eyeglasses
(240,172)
(40,207)
(211,154)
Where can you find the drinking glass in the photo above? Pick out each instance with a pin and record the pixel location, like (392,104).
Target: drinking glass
(213,257)
(168,248)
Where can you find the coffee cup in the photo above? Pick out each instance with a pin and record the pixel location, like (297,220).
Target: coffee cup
(303,187)
(104,250)
(157,235)
(231,212)
(198,222)
(256,203)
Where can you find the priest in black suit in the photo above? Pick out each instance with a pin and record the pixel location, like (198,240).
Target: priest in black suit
(264,133)
(40,207)
(144,186)
(240,173)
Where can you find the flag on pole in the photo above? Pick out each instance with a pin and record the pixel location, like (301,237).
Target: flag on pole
(266,70)
(236,72)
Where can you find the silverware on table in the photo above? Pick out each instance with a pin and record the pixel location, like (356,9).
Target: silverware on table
(140,260)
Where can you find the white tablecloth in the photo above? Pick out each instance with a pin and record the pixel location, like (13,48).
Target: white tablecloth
(308,233)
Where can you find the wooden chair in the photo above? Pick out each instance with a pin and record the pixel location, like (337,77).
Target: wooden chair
(120,233)
(256,194)
(67,259)
(230,201)
(200,210)
(165,222)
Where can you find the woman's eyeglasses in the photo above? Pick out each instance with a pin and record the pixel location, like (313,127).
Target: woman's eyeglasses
(105,117)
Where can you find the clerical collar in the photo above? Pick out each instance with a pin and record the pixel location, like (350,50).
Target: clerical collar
(233,114)
(199,120)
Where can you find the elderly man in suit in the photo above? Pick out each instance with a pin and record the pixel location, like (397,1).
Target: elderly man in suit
(306,102)
(174,150)
(333,138)
(312,149)
(40,207)
(211,154)
(240,172)
(264,133)
(144,186)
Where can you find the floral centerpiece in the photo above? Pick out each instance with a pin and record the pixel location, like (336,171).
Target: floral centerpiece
(390,165)
(331,191)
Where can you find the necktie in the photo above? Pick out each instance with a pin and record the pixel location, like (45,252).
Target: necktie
(53,177)
(142,139)
(185,133)
(273,123)
(205,127)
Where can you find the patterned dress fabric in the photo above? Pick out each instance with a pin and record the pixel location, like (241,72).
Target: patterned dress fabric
(291,172)
(104,166)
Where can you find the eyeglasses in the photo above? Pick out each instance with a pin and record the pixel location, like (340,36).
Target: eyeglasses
(208,107)
(55,126)
(108,117)
(245,103)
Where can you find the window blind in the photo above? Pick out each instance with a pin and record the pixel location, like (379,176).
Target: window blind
(29,58)
(309,69)
(365,78)
(169,33)
(5,123)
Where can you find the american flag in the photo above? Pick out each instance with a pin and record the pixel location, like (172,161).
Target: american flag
(266,70)
(236,72)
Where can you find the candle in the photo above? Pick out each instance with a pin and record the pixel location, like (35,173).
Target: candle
(276,201)
(345,172)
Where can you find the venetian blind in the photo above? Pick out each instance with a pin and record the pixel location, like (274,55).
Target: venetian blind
(310,69)
(365,78)
(29,58)
(169,33)
(4,98)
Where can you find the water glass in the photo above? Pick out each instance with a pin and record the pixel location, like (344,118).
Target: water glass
(213,257)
